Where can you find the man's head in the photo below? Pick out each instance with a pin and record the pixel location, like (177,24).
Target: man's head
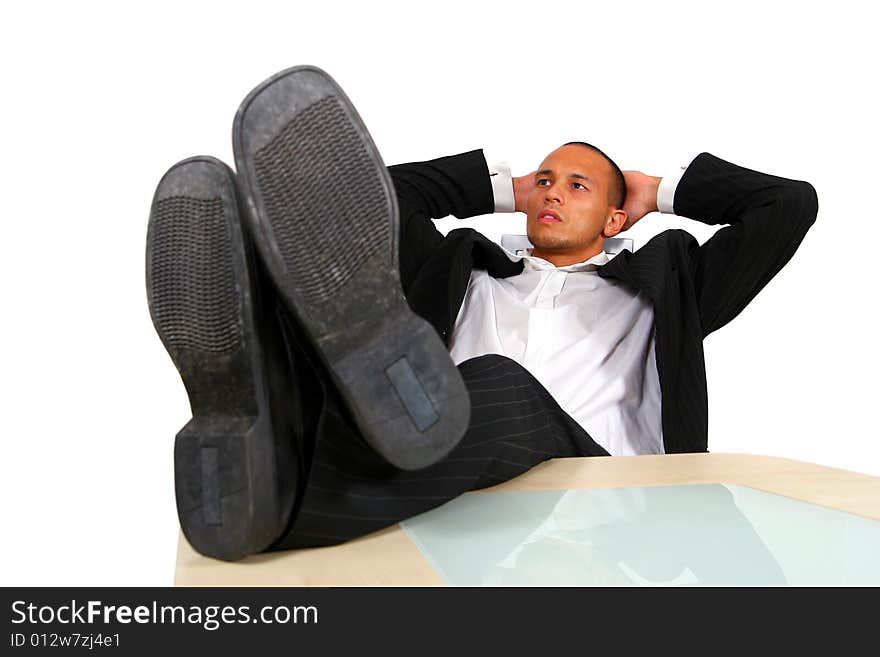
(576,202)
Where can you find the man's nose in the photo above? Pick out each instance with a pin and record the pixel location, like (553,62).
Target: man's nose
(553,193)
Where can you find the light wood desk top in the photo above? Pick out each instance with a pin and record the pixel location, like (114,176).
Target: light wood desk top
(389,557)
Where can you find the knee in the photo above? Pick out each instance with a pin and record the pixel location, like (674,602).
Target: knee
(491,365)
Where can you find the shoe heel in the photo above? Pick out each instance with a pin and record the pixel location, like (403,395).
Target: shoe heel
(406,393)
(224,511)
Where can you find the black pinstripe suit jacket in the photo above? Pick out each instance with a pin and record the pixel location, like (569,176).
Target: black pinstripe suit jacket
(694,289)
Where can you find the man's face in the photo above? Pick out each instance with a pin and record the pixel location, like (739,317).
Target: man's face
(569,205)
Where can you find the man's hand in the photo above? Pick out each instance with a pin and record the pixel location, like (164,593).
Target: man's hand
(522,186)
(641,196)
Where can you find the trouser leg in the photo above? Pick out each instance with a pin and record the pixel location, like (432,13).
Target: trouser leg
(350,491)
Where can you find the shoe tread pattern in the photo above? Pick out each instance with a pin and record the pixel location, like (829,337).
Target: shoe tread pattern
(193,299)
(300,175)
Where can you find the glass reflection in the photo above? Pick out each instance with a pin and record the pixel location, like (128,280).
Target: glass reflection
(709,534)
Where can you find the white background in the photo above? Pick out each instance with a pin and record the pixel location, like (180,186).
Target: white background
(100,99)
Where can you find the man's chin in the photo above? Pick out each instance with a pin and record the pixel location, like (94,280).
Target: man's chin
(547,242)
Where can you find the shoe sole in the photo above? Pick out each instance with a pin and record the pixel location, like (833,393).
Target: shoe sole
(201,299)
(323,214)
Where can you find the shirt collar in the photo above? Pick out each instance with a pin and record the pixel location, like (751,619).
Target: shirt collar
(533,263)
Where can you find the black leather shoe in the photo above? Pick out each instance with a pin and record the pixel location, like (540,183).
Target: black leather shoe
(235,462)
(323,214)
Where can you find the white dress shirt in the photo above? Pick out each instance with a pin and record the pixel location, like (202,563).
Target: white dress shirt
(589,340)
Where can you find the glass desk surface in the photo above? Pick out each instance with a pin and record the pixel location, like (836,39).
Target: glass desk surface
(697,534)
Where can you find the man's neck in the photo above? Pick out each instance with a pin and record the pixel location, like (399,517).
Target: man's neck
(563,259)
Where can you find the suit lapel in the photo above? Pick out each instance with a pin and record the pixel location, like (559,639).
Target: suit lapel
(439,288)
(645,271)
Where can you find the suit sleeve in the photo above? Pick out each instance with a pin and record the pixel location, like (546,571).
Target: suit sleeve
(455,185)
(768,217)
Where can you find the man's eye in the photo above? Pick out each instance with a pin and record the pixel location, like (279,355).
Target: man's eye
(541,181)
(578,185)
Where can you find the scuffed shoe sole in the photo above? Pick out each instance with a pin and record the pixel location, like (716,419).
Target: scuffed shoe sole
(199,289)
(324,218)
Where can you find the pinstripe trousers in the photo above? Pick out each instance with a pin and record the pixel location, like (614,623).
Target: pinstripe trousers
(349,491)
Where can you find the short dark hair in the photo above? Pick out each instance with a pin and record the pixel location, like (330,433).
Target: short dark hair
(618,184)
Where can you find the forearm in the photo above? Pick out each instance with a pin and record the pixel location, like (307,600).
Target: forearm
(455,185)
(714,191)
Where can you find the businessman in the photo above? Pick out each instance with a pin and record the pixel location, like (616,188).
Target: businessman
(348,366)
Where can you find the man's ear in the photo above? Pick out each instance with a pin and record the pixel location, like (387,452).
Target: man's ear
(615,223)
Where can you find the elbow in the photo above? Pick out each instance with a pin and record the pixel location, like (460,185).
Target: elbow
(809,202)
(799,203)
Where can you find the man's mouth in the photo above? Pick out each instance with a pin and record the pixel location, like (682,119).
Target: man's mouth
(548,217)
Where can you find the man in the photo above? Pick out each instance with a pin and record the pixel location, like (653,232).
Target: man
(315,342)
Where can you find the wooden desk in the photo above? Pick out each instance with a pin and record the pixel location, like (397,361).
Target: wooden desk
(389,557)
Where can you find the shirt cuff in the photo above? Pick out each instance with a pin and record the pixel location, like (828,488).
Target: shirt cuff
(502,187)
(668,185)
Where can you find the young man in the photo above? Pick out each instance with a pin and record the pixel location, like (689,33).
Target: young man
(348,366)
